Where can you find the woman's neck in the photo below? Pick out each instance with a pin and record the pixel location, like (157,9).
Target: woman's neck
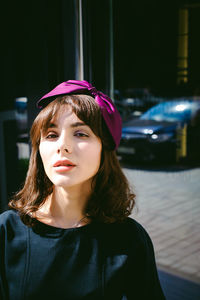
(64,208)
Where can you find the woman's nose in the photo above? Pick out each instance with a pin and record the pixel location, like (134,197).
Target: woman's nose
(64,146)
(65,150)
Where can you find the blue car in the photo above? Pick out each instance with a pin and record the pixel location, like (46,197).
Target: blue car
(158,133)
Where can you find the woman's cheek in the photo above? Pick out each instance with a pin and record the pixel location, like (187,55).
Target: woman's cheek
(45,152)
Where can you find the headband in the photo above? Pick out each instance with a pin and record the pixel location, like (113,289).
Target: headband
(109,112)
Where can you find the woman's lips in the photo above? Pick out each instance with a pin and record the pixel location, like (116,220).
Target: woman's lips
(63,168)
(63,165)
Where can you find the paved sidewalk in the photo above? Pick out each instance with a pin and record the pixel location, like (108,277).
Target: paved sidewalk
(168,205)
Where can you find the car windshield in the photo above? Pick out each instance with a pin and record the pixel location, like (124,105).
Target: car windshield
(171,111)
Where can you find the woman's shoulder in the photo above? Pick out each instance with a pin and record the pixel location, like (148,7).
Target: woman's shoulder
(136,238)
(131,227)
(134,226)
(137,230)
(8,215)
(10,219)
(129,232)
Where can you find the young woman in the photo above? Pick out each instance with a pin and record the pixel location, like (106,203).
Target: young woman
(68,234)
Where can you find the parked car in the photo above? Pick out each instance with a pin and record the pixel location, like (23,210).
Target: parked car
(154,135)
(135,103)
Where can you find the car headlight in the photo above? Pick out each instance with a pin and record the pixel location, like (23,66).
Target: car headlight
(162,137)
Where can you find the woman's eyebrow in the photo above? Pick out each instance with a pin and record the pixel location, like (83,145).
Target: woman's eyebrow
(73,125)
(77,124)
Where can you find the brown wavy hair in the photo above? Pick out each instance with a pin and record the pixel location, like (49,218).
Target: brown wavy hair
(111,199)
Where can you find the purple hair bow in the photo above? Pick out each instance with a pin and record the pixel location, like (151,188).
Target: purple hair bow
(108,110)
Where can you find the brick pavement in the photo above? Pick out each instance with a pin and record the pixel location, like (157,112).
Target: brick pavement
(168,206)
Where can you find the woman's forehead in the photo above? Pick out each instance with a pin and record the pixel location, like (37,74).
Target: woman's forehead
(65,113)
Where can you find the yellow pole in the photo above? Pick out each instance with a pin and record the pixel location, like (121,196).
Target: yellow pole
(181,137)
(184,141)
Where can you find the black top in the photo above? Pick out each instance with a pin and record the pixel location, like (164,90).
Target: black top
(96,261)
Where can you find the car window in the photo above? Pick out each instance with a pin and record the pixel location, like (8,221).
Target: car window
(171,112)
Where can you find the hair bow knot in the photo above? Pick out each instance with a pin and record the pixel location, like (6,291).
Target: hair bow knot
(102,99)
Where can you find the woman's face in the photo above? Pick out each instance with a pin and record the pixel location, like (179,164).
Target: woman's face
(70,151)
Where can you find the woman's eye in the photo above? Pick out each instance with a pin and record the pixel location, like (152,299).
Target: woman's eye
(81,134)
(51,136)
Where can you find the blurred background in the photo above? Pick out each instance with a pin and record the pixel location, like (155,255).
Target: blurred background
(145,55)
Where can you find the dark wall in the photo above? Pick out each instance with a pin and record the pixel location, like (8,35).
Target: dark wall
(146,40)
(145,34)
(39,48)
(194,49)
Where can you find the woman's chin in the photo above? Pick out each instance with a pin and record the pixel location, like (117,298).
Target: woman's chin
(71,185)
